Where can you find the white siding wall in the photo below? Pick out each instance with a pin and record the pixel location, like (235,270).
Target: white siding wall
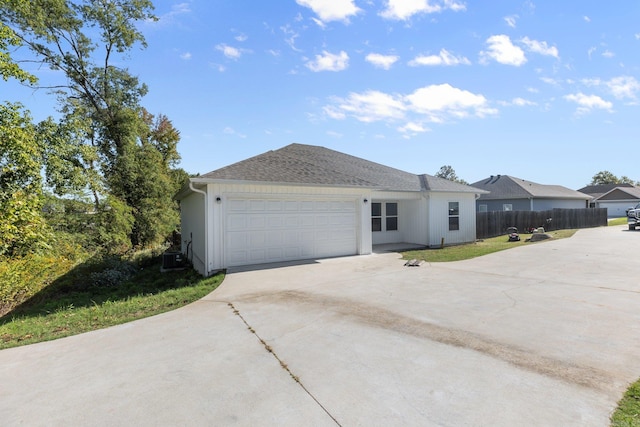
(439,218)
(192,229)
(547,204)
(412,219)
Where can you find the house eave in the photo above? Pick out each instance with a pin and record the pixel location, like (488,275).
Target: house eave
(205,181)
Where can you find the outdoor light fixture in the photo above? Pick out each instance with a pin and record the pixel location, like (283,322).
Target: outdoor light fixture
(365,200)
(218,199)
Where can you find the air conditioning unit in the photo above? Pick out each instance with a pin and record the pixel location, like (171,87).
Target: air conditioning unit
(172,260)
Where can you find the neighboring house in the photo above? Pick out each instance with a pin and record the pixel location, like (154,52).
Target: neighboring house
(617,198)
(308,202)
(507,193)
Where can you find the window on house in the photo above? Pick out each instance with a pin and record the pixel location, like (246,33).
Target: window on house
(392,216)
(384,214)
(482,208)
(507,207)
(454,216)
(376,216)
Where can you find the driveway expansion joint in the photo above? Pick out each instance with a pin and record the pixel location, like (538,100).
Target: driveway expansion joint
(281,362)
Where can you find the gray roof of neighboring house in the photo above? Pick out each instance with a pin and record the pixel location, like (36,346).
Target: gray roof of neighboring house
(603,190)
(313,165)
(509,187)
(621,193)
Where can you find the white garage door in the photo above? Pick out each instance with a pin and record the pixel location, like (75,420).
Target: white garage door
(616,209)
(267,230)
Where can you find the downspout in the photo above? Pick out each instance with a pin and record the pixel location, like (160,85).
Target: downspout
(531,204)
(206,228)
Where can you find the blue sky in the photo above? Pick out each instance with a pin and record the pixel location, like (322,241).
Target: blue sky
(542,90)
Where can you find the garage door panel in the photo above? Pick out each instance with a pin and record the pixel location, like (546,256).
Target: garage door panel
(235,222)
(260,231)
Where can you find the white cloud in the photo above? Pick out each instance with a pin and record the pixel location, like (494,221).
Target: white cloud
(241,37)
(186,56)
(511,20)
(586,19)
(503,51)
(443,58)
(550,81)
(586,103)
(231,131)
(169,17)
(413,128)
(291,36)
(429,104)
(381,61)
(404,9)
(439,101)
(334,112)
(540,47)
(329,62)
(334,134)
(229,51)
(331,10)
(518,102)
(521,102)
(622,87)
(370,106)
(608,54)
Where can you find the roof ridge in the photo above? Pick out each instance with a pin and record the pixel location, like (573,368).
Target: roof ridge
(299,158)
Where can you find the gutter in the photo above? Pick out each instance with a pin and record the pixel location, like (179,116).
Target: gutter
(206,228)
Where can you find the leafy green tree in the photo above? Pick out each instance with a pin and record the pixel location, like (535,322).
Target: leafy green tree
(447,172)
(606,177)
(105,142)
(114,224)
(8,67)
(21,224)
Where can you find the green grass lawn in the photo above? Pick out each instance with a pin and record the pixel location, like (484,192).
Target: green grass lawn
(478,248)
(627,414)
(618,221)
(96,295)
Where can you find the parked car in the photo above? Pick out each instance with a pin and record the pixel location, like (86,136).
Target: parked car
(633,217)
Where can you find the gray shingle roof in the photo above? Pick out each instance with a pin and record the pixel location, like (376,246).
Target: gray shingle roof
(313,165)
(621,193)
(605,190)
(509,187)
(599,190)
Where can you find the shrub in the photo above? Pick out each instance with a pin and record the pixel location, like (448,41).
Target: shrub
(116,272)
(22,278)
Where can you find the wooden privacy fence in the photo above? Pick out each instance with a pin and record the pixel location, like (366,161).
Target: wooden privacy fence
(491,224)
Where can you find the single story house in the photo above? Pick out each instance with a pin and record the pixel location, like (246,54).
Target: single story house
(309,202)
(617,198)
(508,193)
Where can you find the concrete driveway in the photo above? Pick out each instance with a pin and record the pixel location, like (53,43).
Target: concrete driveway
(543,335)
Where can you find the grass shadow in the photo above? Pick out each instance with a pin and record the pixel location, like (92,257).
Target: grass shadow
(100,280)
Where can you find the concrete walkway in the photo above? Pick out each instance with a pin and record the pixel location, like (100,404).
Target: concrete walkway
(543,335)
